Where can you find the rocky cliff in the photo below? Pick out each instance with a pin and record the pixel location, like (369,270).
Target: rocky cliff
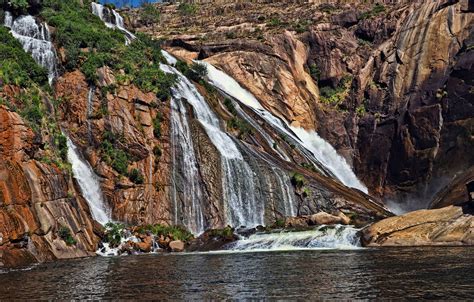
(390,86)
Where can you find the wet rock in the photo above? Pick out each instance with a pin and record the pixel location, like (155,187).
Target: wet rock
(213,240)
(176,246)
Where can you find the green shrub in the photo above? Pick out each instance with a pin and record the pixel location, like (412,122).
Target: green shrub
(242,126)
(65,234)
(114,233)
(230,106)
(175,232)
(298,180)
(113,155)
(18,6)
(61,143)
(150,14)
(136,176)
(274,22)
(279,223)
(315,72)
(18,67)
(227,232)
(187,9)
(375,11)
(157,127)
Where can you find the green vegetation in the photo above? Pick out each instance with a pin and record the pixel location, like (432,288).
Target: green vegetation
(150,14)
(157,126)
(187,9)
(301,26)
(157,151)
(315,72)
(195,72)
(335,96)
(174,232)
(112,154)
(279,223)
(227,232)
(65,234)
(230,106)
(275,22)
(17,67)
(114,233)
(89,45)
(360,110)
(375,11)
(242,126)
(136,176)
(298,180)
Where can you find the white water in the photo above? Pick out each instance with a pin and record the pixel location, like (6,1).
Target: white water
(191,190)
(241,206)
(324,237)
(323,152)
(88,183)
(286,191)
(112,19)
(35,40)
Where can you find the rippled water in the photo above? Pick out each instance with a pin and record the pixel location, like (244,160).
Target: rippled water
(434,273)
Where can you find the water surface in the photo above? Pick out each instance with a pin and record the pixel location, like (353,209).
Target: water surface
(434,273)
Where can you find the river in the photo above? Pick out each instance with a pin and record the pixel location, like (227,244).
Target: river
(390,273)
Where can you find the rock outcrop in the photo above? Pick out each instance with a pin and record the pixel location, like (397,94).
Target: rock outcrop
(42,214)
(452,225)
(389,86)
(124,116)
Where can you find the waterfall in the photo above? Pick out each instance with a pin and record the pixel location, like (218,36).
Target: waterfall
(187,166)
(324,237)
(321,150)
(88,183)
(112,19)
(35,40)
(241,206)
(8,20)
(288,200)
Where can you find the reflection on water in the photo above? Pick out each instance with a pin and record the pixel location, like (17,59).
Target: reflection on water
(436,273)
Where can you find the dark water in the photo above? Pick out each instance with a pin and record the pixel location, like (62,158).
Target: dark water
(434,273)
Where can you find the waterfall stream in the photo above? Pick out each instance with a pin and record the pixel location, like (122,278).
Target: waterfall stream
(112,19)
(88,183)
(241,206)
(36,40)
(187,166)
(321,150)
(324,237)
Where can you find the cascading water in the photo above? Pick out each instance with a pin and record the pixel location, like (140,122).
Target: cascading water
(242,208)
(322,151)
(35,40)
(324,237)
(88,183)
(112,19)
(185,165)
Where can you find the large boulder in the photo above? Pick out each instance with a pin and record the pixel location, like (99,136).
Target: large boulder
(446,226)
(176,246)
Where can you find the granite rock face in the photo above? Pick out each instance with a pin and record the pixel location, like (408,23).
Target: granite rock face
(389,87)
(37,201)
(452,225)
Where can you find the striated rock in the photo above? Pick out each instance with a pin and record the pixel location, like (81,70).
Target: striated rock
(446,226)
(176,246)
(35,203)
